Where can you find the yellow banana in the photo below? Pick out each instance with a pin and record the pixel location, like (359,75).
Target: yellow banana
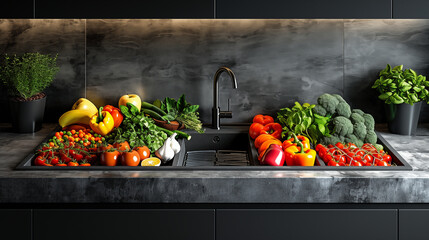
(75,116)
(85,104)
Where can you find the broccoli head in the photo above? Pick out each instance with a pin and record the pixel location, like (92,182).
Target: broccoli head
(359,130)
(332,139)
(356,118)
(369,121)
(358,111)
(342,126)
(343,109)
(371,137)
(339,98)
(328,102)
(351,138)
(318,109)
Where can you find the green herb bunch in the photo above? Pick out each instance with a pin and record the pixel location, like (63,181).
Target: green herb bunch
(397,86)
(29,74)
(138,130)
(182,112)
(302,121)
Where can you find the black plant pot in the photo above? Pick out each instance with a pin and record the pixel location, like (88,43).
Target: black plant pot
(403,118)
(27,117)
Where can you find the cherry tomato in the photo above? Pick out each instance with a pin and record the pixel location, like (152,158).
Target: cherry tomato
(110,158)
(40,161)
(340,158)
(144,152)
(339,145)
(319,147)
(86,164)
(387,158)
(130,158)
(327,158)
(61,165)
(105,148)
(356,163)
(382,163)
(333,163)
(54,160)
(123,146)
(72,164)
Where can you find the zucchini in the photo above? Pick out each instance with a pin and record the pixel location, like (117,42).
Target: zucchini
(152,114)
(153,108)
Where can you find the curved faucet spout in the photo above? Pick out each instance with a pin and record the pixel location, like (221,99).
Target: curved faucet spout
(216,113)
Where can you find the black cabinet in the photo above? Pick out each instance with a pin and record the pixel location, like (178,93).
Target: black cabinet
(306,224)
(124,9)
(17,9)
(410,9)
(413,224)
(82,224)
(303,9)
(15,224)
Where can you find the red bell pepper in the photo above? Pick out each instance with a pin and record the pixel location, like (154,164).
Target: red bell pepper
(274,129)
(116,114)
(274,156)
(263,119)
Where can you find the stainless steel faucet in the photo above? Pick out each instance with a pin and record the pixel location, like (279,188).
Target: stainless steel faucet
(216,113)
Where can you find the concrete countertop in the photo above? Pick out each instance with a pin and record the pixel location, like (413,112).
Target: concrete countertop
(213,186)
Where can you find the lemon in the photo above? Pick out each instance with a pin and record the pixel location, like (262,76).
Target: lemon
(153,161)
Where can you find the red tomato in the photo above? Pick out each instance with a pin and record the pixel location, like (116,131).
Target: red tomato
(333,163)
(40,161)
(255,129)
(130,158)
(340,158)
(144,152)
(72,164)
(356,163)
(85,164)
(110,158)
(123,146)
(327,158)
(383,164)
(387,158)
(61,165)
(339,145)
(54,160)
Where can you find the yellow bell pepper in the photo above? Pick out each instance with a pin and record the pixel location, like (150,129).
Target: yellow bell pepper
(102,122)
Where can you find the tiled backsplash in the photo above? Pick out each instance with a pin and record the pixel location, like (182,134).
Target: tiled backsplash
(276,62)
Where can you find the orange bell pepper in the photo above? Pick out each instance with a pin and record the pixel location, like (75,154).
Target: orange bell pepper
(261,139)
(297,155)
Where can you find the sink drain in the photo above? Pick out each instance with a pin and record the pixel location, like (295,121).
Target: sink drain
(216,158)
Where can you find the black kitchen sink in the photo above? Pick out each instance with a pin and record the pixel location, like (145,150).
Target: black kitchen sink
(229,148)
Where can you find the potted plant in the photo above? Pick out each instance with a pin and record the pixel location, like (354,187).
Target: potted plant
(403,91)
(26,77)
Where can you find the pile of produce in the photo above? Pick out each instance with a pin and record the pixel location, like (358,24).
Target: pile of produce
(330,125)
(125,135)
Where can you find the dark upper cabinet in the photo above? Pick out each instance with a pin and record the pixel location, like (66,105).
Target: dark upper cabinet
(130,224)
(413,224)
(303,9)
(17,9)
(124,9)
(303,224)
(15,224)
(410,8)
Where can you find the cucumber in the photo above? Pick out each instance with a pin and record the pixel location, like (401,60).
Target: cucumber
(153,108)
(152,114)
(180,133)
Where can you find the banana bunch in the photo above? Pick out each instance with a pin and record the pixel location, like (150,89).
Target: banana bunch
(81,112)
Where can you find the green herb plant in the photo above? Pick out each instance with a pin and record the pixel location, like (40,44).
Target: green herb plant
(301,120)
(397,86)
(182,112)
(27,75)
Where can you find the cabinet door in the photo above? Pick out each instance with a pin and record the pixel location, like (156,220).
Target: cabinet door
(306,224)
(414,224)
(17,9)
(124,9)
(410,9)
(15,224)
(303,9)
(178,224)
